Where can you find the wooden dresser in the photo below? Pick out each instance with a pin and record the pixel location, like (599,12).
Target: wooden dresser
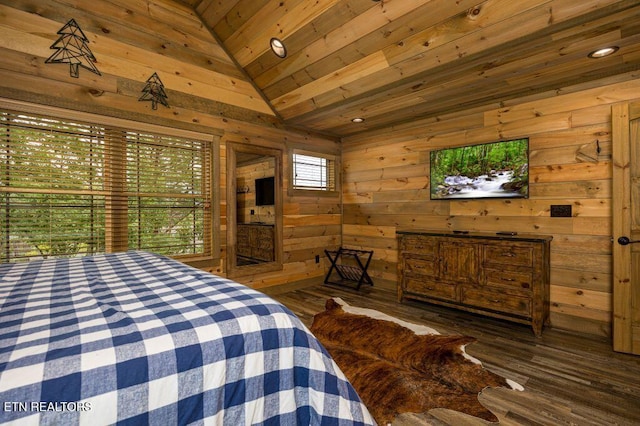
(256,241)
(502,276)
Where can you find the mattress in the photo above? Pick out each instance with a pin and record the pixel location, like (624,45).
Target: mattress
(139,338)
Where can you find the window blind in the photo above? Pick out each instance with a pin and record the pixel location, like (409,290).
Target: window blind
(71,189)
(313,172)
(165,190)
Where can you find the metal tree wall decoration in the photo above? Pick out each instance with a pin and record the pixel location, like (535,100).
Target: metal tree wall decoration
(154,91)
(71,48)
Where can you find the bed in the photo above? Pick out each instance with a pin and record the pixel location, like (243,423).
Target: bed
(138,338)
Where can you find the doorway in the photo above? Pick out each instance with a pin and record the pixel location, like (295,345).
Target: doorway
(626,227)
(254,209)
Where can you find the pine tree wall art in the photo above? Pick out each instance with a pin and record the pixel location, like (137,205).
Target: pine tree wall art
(72,48)
(154,91)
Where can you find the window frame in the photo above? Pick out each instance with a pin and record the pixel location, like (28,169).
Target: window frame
(208,260)
(334,161)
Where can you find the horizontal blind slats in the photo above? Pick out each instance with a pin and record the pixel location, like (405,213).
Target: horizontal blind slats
(314,173)
(66,188)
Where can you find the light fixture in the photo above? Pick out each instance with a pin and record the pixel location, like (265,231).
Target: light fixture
(277,46)
(357,120)
(605,51)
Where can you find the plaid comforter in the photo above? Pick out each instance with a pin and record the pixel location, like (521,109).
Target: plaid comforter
(137,338)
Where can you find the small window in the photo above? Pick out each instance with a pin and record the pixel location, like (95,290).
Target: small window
(314,172)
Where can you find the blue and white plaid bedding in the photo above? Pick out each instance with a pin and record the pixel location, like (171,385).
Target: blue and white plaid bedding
(137,338)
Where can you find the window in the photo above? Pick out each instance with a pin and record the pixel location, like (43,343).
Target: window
(316,172)
(70,189)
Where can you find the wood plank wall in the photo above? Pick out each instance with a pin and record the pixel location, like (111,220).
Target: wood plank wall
(206,93)
(386,178)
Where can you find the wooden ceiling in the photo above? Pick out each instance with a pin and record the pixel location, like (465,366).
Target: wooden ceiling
(394,61)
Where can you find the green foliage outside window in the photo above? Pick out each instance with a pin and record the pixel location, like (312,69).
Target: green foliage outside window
(56,181)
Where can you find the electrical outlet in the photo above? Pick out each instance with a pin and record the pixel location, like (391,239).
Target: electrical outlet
(562,210)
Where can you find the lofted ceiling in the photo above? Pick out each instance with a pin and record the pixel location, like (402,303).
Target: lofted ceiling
(394,61)
(391,62)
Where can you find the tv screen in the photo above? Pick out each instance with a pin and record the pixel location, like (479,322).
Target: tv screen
(265,191)
(490,170)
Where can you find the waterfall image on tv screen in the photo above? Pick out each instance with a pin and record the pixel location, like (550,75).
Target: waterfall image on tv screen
(491,170)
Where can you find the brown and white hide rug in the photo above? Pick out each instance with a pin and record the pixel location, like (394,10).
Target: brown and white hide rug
(398,367)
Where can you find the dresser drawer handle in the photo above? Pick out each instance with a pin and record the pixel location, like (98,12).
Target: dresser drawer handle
(509,254)
(508,279)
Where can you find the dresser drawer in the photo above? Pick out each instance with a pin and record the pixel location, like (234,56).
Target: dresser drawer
(516,280)
(418,244)
(243,238)
(420,266)
(430,288)
(264,243)
(264,232)
(507,254)
(496,301)
(265,254)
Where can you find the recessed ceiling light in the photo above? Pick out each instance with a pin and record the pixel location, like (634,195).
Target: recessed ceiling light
(278,47)
(601,53)
(357,120)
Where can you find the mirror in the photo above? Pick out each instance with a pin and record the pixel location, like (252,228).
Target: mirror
(254,209)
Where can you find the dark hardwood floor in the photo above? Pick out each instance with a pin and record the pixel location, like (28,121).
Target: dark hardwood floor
(569,379)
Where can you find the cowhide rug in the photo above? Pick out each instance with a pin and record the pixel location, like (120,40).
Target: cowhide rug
(399,367)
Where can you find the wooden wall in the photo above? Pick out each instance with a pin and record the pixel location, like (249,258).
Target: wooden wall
(131,40)
(386,178)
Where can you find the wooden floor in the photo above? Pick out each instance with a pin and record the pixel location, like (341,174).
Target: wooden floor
(569,379)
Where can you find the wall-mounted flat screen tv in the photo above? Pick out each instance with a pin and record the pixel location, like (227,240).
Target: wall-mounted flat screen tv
(265,191)
(490,170)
